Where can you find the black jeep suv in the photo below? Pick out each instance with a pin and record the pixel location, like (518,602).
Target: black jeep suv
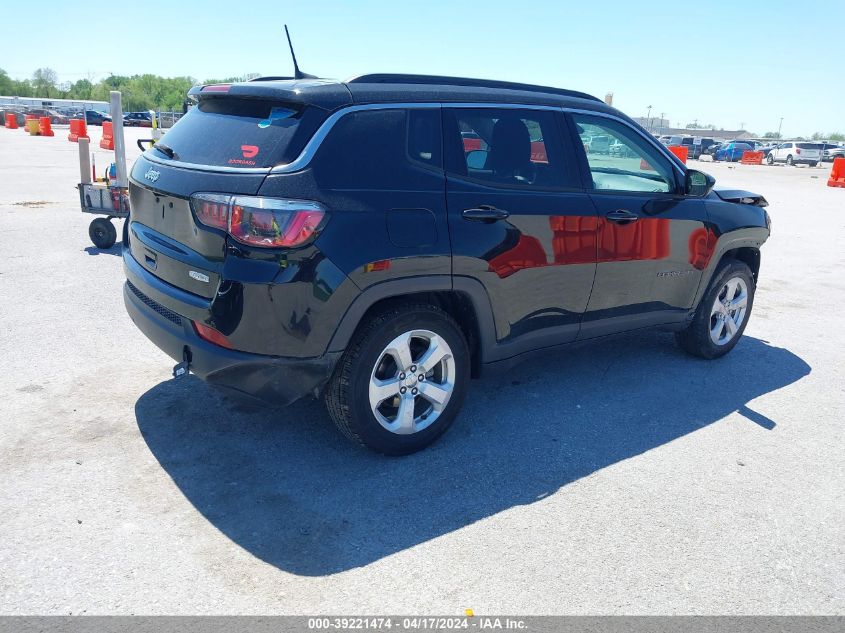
(379,241)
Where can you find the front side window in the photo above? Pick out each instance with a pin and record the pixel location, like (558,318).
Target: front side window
(628,163)
(508,147)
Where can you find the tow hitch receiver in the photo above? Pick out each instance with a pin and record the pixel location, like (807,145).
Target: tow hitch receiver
(185,366)
(181,369)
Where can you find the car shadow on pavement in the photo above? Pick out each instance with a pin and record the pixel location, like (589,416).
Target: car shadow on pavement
(287,487)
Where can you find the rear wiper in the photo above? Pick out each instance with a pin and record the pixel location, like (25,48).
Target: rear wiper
(164,149)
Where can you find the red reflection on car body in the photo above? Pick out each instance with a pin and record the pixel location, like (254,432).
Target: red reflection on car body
(647,238)
(702,244)
(585,239)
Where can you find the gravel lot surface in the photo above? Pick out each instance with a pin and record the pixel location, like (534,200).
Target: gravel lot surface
(624,477)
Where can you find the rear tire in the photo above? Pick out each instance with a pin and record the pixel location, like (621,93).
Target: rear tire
(722,314)
(813,164)
(388,356)
(789,160)
(102,233)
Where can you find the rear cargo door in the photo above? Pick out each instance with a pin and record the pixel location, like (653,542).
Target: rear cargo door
(226,146)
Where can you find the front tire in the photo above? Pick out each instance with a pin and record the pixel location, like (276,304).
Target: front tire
(722,314)
(770,160)
(789,160)
(402,381)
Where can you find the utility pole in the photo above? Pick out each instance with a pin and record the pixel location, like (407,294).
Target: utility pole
(662,114)
(779,124)
(648,119)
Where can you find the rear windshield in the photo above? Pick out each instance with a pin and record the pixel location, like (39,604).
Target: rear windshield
(241,133)
(809,145)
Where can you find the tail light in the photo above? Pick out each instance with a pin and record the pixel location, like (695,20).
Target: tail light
(797,150)
(211,335)
(256,221)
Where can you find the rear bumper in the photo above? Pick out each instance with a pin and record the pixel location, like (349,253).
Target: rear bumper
(804,161)
(272,379)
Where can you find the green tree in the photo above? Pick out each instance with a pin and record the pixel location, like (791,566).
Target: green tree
(81,89)
(771,135)
(5,83)
(44,82)
(14,87)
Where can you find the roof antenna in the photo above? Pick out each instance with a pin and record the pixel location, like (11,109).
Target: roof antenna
(297,74)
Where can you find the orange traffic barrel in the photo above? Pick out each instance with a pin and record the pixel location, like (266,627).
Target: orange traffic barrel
(26,119)
(11,121)
(681,151)
(44,127)
(77,130)
(837,173)
(107,141)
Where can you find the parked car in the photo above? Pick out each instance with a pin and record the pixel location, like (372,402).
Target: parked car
(831,151)
(95,117)
(710,150)
(766,149)
(138,119)
(732,152)
(621,149)
(55,117)
(599,144)
(697,150)
(358,253)
(795,153)
(20,117)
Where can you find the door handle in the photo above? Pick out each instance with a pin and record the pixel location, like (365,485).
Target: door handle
(622,216)
(485,213)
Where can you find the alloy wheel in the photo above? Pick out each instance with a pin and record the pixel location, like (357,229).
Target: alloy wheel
(728,312)
(412,382)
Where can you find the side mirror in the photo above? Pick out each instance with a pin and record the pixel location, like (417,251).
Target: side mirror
(698,183)
(477,159)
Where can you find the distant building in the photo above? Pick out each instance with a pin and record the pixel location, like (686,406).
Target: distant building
(44,102)
(661,126)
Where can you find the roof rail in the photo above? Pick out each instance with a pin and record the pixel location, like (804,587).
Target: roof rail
(391,78)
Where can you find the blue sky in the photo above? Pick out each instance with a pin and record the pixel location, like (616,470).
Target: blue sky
(718,61)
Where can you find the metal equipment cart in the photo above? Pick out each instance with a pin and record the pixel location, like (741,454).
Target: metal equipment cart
(110,200)
(101,199)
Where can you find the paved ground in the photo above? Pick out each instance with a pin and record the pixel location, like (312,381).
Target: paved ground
(621,478)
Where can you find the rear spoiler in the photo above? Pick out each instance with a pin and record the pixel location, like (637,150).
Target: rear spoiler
(321,93)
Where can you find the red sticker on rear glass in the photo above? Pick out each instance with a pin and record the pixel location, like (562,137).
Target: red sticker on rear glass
(248,151)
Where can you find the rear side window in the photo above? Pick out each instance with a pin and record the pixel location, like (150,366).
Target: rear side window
(508,148)
(809,145)
(383,150)
(241,133)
